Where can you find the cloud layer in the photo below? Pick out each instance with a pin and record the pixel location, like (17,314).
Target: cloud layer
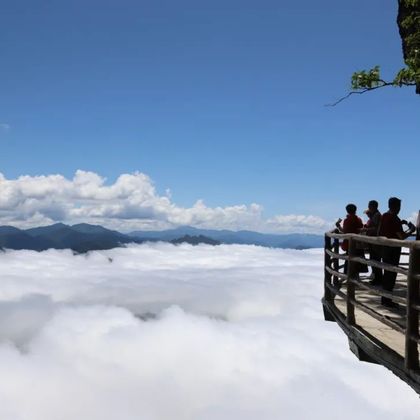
(232,332)
(130,203)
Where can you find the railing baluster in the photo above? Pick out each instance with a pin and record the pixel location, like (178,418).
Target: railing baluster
(351,272)
(412,330)
(336,261)
(329,297)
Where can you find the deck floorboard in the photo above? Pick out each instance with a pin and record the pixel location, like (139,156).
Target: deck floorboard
(390,337)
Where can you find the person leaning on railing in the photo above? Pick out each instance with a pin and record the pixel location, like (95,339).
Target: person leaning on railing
(392,227)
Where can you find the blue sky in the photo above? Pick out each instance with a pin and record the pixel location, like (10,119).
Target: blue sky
(221,101)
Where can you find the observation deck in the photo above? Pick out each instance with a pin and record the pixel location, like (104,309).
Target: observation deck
(376,334)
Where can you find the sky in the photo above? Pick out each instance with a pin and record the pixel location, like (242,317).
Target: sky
(158,331)
(220,101)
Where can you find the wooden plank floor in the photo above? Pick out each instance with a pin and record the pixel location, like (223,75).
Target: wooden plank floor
(393,339)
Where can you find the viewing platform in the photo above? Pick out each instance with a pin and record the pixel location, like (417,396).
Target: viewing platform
(376,333)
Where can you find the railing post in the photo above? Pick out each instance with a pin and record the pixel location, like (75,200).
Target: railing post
(412,328)
(336,261)
(328,296)
(352,274)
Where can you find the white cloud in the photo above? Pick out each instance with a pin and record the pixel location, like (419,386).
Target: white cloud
(298,223)
(130,203)
(239,334)
(415,217)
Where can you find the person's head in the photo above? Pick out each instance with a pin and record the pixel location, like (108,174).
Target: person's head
(394,205)
(373,206)
(351,208)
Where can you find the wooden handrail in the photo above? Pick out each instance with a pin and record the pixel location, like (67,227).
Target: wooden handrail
(336,273)
(380,292)
(337,255)
(336,291)
(375,240)
(384,266)
(371,263)
(410,272)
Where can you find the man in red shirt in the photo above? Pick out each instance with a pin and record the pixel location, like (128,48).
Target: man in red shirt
(351,224)
(391,227)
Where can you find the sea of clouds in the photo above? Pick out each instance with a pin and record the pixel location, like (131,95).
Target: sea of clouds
(158,332)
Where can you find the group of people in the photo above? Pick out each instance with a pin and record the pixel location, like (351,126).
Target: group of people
(388,225)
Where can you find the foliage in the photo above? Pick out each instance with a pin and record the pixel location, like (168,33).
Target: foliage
(409,27)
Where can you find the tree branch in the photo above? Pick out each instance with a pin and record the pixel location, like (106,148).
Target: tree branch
(359,92)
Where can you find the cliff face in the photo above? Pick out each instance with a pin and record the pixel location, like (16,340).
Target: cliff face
(408,21)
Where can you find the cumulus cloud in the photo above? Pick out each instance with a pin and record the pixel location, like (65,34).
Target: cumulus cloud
(160,331)
(130,203)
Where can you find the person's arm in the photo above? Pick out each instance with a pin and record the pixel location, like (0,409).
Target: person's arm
(359,227)
(345,226)
(376,221)
(404,235)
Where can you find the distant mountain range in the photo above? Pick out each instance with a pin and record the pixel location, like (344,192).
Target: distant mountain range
(80,238)
(85,237)
(246,237)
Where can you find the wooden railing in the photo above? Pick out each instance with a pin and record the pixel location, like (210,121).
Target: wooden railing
(346,285)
